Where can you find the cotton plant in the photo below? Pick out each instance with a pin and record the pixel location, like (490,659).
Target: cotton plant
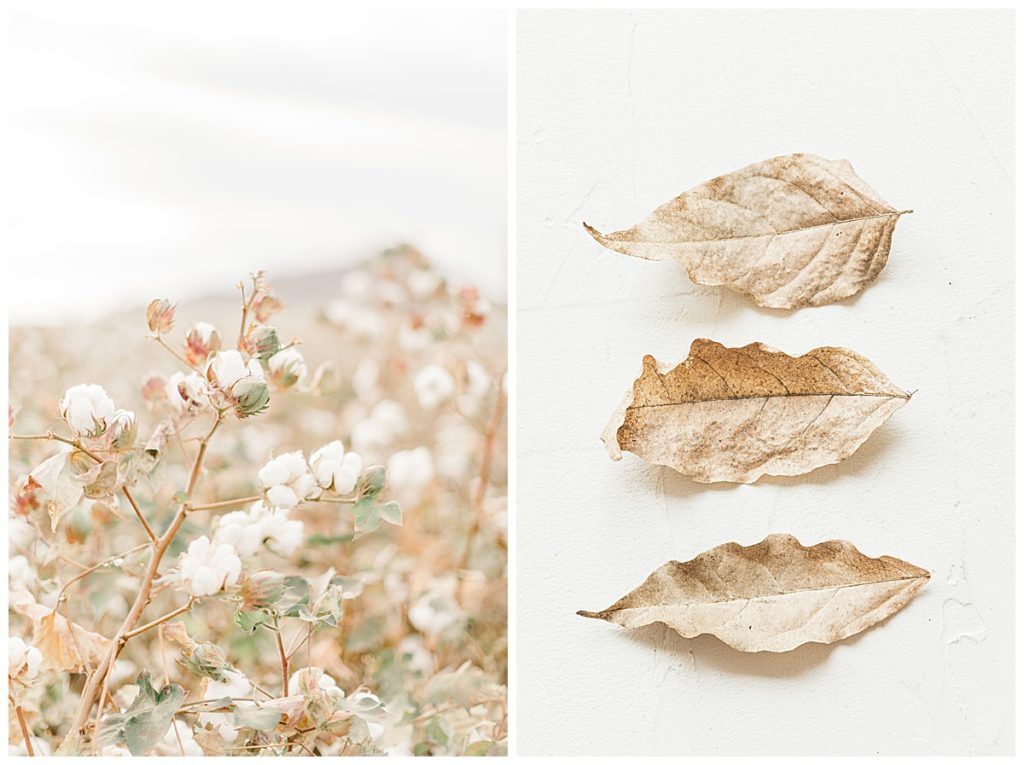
(404,624)
(191,553)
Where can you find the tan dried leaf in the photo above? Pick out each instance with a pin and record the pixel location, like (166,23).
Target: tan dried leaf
(790,232)
(52,635)
(735,414)
(772,596)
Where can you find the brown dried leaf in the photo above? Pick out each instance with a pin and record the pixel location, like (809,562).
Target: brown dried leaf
(735,414)
(790,232)
(772,596)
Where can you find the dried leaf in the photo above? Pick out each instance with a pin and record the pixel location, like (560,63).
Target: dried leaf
(790,232)
(52,635)
(735,414)
(62,486)
(772,596)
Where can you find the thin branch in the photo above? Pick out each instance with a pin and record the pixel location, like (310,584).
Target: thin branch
(173,352)
(157,622)
(245,316)
(284,662)
(97,567)
(224,503)
(138,514)
(334,500)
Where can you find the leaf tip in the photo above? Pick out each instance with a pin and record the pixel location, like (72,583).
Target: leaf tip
(601,238)
(590,614)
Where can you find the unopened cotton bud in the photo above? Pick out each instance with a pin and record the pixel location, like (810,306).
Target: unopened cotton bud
(249,396)
(262,589)
(154,388)
(160,316)
(263,342)
(371,482)
(176,633)
(286,368)
(265,306)
(202,340)
(87,409)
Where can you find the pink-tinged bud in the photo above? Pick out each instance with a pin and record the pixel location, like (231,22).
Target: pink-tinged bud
(262,342)
(262,589)
(160,316)
(154,388)
(202,340)
(265,306)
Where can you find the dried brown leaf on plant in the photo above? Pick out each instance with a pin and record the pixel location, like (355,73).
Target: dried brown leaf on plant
(772,596)
(790,232)
(735,414)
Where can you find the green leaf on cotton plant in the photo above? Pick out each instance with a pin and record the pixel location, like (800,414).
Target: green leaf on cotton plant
(147,720)
(369,515)
(248,621)
(258,718)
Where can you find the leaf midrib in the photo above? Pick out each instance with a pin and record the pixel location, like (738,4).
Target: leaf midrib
(772,395)
(770,235)
(773,595)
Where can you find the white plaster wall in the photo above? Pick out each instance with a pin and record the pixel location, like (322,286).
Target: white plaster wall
(617,113)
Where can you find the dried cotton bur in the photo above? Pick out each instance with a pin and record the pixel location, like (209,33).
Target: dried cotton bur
(790,232)
(735,414)
(772,596)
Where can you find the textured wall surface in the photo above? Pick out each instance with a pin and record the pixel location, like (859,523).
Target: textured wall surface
(620,111)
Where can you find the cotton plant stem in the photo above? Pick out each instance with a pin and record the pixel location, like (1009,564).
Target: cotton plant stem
(51,436)
(98,678)
(284,662)
(485,470)
(23,725)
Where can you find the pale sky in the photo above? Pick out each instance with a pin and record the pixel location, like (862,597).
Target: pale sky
(176,148)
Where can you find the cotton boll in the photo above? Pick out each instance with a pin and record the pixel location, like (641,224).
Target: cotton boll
(87,409)
(434,386)
(187,393)
(206,568)
(226,368)
(282,536)
(409,472)
(287,480)
(436,610)
(335,469)
(179,740)
(20,573)
(309,678)
(23,660)
(415,655)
